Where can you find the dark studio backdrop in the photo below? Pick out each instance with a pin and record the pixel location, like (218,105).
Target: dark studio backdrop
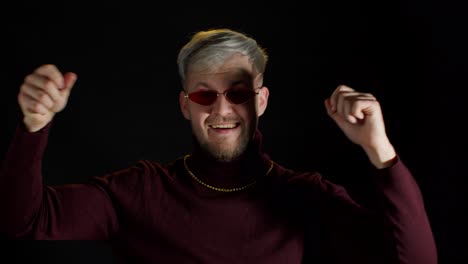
(410,54)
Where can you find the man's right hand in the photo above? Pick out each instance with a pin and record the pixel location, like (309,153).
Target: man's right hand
(44,93)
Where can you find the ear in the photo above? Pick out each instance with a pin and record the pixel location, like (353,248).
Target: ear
(262,100)
(183,103)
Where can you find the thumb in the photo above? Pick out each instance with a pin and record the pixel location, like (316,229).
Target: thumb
(69,80)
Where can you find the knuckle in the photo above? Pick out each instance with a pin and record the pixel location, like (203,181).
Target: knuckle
(341,87)
(342,93)
(23,98)
(28,78)
(57,108)
(49,85)
(35,106)
(346,95)
(20,98)
(42,96)
(23,87)
(58,105)
(48,66)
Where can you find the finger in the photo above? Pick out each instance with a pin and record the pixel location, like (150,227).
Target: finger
(357,104)
(30,105)
(344,98)
(44,83)
(367,96)
(364,107)
(367,106)
(355,109)
(347,103)
(348,107)
(333,114)
(38,95)
(336,93)
(339,116)
(69,81)
(50,71)
(328,107)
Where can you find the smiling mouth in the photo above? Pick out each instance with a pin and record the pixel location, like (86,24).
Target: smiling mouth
(224,126)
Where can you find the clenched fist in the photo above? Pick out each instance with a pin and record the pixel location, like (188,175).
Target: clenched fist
(44,93)
(359,116)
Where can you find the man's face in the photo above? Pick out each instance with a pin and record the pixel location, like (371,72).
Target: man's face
(222,129)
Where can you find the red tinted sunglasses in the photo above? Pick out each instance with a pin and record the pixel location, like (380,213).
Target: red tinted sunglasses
(233,95)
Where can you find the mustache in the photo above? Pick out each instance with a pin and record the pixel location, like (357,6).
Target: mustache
(223,119)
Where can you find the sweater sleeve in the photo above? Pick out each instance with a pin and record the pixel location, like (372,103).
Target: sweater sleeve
(405,216)
(391,226)
(33,211)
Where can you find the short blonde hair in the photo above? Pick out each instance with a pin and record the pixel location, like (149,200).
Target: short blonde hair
(214,46)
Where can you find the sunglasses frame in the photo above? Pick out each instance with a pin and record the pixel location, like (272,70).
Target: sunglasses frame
(222,93)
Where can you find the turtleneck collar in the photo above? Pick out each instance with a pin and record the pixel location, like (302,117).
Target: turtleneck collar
(252,164)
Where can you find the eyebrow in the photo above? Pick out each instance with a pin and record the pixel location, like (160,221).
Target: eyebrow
(237,82)
(204,84)
(231,83)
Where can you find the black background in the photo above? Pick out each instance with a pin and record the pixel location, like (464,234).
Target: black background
(411,54)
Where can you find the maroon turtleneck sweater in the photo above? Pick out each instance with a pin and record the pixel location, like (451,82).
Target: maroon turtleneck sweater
(156,213)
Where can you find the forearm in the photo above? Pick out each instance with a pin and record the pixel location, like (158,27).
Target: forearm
(21,179)
(382,155)
(409,229)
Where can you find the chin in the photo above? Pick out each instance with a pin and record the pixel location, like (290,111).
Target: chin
(225,153)
(226,157)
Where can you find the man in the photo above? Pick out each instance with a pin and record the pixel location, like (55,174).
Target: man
(227,202)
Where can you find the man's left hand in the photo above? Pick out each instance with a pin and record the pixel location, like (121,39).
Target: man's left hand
(359,116)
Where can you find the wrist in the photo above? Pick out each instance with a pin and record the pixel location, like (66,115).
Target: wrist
(33,125)
(381,156)
(33,129)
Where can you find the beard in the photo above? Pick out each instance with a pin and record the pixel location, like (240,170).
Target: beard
(224,151)
(224,148)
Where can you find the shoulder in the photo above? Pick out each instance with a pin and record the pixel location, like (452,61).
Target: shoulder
(142,172)
(306,181)
(291,175)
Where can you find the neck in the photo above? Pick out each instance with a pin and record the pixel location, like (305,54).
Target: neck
(250,165)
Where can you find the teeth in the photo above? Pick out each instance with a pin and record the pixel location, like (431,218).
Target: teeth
(224,126)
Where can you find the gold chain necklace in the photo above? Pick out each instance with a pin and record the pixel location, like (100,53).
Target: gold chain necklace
(223,189)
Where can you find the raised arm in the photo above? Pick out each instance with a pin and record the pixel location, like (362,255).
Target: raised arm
(29,209)
(399,199)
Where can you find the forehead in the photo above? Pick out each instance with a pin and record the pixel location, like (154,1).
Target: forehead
(236,67)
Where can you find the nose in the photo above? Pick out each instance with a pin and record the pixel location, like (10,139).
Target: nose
(222,106)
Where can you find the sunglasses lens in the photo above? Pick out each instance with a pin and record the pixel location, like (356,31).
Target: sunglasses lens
(235,96)
(240,96)
(203,97)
